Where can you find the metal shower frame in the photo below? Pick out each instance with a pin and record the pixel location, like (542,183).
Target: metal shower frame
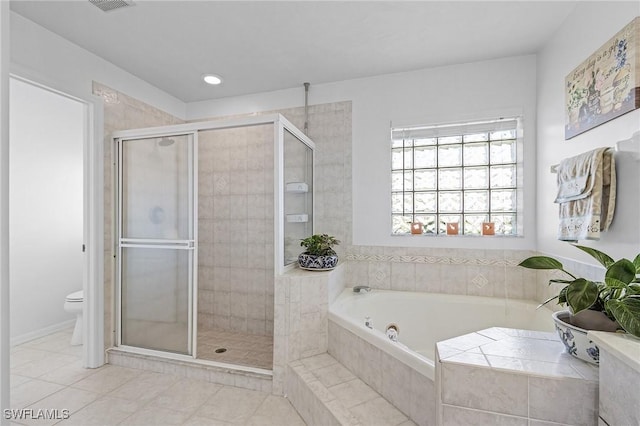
(280,124)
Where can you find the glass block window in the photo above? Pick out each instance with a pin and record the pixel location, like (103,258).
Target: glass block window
(461,173)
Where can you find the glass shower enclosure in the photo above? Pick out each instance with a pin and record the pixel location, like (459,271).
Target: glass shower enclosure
(297,175)
(207,214)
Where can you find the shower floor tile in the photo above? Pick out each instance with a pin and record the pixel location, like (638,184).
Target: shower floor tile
(250,350)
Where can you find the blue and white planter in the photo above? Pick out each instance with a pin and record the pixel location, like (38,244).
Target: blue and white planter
(313,262)
(575,339)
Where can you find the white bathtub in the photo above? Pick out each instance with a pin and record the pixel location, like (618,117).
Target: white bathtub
(426,318)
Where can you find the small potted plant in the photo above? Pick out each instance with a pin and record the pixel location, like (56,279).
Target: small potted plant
(319,254)
(612,305)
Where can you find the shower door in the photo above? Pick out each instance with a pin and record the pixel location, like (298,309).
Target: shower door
(156,247)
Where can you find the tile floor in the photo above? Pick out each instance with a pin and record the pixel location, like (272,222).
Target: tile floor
(241,348)
(47,373)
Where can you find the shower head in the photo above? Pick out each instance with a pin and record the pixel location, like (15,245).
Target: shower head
(165,142)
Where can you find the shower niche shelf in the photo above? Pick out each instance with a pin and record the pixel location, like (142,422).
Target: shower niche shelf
(297,187)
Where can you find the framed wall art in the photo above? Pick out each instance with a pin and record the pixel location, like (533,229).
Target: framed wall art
(606,85)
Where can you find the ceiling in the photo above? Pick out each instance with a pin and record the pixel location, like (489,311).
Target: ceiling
(259,46)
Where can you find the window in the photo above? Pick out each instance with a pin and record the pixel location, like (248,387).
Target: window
(462,173)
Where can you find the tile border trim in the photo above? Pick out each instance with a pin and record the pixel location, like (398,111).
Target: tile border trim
(430,260)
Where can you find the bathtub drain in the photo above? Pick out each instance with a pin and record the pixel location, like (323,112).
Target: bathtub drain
(220,350)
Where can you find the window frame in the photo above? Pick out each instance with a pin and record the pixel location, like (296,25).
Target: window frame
(408,136)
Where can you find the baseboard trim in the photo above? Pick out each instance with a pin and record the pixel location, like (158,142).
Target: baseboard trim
(32,335)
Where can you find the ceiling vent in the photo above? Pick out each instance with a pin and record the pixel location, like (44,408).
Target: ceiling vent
(109,5)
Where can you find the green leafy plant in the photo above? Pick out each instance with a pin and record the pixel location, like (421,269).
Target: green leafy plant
(320,245)
(618,296)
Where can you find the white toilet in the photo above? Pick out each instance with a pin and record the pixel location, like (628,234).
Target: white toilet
(73,304)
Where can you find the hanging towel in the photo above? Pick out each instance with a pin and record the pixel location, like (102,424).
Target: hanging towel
(586,194)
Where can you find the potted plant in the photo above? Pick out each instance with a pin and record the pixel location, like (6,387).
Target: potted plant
(607,306)
(319,254)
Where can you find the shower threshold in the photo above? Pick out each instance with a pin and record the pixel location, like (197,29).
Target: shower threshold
(185,366)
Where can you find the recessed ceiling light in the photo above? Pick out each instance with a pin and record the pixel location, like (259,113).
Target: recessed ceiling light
(212,79)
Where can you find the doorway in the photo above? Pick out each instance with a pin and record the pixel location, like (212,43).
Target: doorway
(55,213)
(46,209)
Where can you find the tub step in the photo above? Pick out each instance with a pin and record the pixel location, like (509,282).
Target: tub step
(325,392)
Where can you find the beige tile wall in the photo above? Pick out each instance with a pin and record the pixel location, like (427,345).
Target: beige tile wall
(301,317)
(330,130)
(121,112)
(618,390)
(407,389)
(490,273)
(235,232)
(472,388)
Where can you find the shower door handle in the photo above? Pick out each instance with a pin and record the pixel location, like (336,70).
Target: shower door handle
(159,244)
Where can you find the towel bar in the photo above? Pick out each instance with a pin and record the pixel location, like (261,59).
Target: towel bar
(631,146)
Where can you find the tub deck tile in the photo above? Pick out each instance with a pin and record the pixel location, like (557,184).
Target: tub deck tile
(525,352)
(515,377)
(467,341)
(469,358)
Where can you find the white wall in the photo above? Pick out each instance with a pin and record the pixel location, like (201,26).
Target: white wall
(468,91)
(4,210)
(46,218)
(423,96)
(590,25)
(56,62)
(458,92)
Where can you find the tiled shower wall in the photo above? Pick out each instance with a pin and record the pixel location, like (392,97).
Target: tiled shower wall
(235,232)
(121,112)
(232,286)
(330,130)
(229,295)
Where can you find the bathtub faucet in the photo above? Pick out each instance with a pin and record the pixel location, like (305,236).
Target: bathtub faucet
(361,288)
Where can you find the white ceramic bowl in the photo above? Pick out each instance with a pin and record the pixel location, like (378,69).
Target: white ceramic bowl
(575,339)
